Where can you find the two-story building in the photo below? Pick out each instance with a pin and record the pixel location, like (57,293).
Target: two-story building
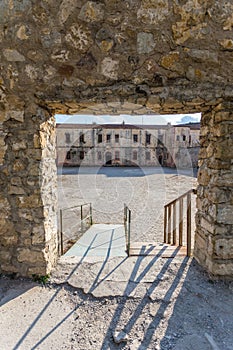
(127,145)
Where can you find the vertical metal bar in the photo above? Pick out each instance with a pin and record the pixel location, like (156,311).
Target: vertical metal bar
(91,221)
(181,220)
(81,218)
(189,224)
(174,224)
(129,224)
(61,233)
(169,224)
(125,226)
(165,225)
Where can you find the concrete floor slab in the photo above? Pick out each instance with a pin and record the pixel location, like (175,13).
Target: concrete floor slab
(118,276)
(100,240)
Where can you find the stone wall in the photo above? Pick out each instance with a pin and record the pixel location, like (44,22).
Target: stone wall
(65,56)
(214,241)
(28,229)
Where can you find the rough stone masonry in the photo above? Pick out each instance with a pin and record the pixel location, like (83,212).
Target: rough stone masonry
(64,56)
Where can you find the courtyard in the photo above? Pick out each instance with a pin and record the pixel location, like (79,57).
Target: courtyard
(144,190)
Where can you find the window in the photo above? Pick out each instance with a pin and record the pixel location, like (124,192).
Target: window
(81,155)
(147,155)
(135,138)
(148,138)
(108,137)
(117,155)
(100,138)
(99,155)
(68,155)
(81,138)
(67,134)
(117,138)
(135,155)
(190,139)
(184,138)
(177,137)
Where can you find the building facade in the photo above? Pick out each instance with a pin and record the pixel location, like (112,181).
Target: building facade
(128,145)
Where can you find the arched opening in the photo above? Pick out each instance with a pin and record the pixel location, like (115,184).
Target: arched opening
(108,158)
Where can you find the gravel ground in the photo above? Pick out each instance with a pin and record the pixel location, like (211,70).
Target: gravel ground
(187,311)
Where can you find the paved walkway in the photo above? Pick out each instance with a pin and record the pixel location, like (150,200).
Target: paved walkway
(100,240)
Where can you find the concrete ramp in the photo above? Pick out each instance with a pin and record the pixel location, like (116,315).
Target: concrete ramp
(100,240)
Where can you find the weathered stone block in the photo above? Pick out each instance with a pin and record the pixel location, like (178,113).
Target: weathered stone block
(8,241)
(25,214)
(224,248)
(13,55)
(152,12)
(16,115)
(109,68)
(207,226)
(19,145)
(38,235)
(170,60)
(225,214)
(92,12)
(32,201)
(224,269)
(30,256)
(79,37)
(16,190)
(145,42)
(204,177)
(38,270)
(5,256)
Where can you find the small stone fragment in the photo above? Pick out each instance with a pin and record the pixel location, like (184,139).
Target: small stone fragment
(120,337)
(13,55)
(145,42)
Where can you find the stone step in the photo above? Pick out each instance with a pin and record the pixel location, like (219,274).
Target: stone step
(160,249)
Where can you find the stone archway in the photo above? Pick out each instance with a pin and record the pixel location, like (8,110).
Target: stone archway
(166,58)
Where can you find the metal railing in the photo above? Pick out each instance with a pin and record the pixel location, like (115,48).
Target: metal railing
(84,225)
(171,212)
(127,224)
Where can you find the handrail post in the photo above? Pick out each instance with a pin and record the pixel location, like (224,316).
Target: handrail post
(189,224)
(181,213)
(91,221)
(165,225)
(61,233)
(174,224)
(128,248)
(169,225)
(81,218)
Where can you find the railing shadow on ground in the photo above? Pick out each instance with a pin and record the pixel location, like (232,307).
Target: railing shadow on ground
(201,316)
(96,282)
(187,294)
(38,317)
(136,277)
(130,287)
